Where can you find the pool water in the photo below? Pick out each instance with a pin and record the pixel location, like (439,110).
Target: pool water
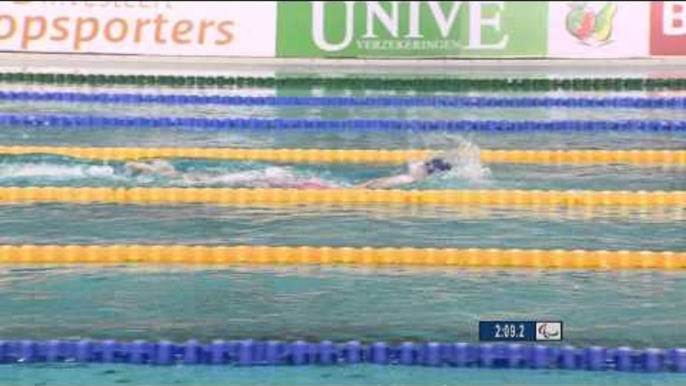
(639,309)
(370,225)
(315,303)
(62,171)
(73,374)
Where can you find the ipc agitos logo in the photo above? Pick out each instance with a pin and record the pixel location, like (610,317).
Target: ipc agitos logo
(548,331)
(591,26)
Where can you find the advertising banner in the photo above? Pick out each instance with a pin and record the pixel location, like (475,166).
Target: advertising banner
(598,29)
(412,29)
(348,29)
(668,28)
(240,28)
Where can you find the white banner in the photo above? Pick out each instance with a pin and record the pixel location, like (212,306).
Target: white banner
(240,28)
(598,29)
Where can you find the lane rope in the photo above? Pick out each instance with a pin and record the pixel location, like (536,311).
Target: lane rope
(422,83)
(299,353)
(218,124)
(332,102)
(446,197)
(364,256)
(636,157)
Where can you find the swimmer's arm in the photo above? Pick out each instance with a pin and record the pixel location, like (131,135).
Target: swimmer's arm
(387,182)
(138,167)
(230,179)
(164,169)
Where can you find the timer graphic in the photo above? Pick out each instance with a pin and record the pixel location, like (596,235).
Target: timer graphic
(520,331)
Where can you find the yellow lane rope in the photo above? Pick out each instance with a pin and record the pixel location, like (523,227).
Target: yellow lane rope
(636,157)
(255,255)
(224,196)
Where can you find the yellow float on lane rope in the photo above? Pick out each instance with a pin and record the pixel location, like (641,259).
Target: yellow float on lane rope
(448,197)
(636,157)
(268,255)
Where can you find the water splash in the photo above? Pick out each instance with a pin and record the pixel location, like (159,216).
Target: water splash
(54,172)
(270,177)
(463,154)
(466,161)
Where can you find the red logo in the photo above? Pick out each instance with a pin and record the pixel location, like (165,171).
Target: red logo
(591,26)
(668,28)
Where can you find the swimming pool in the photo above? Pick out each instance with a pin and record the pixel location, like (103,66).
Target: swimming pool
(127,302)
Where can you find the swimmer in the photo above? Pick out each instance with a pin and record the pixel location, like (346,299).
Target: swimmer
(417,171)
(420,170)
(282,178)
(273,177)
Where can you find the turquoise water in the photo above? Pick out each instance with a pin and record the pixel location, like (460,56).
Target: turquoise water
(640,309)
(606,308)
(391,139)
(365,374)
(370,225)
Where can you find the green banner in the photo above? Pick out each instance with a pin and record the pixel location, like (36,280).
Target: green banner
(412,29)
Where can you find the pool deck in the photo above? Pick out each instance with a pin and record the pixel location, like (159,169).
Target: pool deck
(657,67)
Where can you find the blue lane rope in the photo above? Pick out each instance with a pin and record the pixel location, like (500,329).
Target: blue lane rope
(98,121)
(253,353)
(431,101)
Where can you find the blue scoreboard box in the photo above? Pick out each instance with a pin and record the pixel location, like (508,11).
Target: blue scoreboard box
(520,331)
